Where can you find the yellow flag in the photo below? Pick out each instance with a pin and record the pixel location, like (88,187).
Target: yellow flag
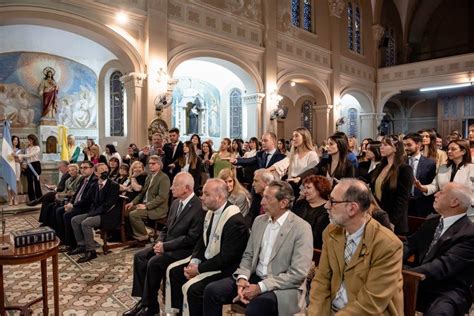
(62,134)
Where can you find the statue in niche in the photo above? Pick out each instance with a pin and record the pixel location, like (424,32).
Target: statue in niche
(194,109)
(51,145)
(48,89)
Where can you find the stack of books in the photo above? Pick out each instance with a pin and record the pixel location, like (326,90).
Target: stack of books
(32,236)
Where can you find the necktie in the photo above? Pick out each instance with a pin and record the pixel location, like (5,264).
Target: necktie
(265,159)
(180,209)
(349,250)
(437,235)
(101,186)
(81,190)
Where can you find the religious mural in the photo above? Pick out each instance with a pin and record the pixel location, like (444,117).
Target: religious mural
(197,104)
(22,84)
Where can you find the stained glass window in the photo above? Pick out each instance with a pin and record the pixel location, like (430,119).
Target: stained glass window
(307,15)
(235,113)
(116,105)
(354,27)
(307,115)
(352,113)
(295,12)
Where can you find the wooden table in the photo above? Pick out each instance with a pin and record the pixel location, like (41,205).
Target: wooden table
(25,255)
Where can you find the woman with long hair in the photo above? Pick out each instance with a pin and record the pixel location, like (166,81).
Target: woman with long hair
(373,156)
(114,165)
(191,162)
(391,182)
(32,158)
(74,151)
(363,149)
(315,193)
(87,150)
(238,195)
(458,168)
(123,177)
(254,146)
(336,166)
(471,140)
(430,149)
(13,195)
(206,155)
(94,155)
(110,152)
(220,159)
(196,140)
(137,179)
(281,147)
(353,145)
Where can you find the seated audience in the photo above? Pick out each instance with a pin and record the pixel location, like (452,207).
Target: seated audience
(49,197)
(152,201)
(216,255)
(424,171)
(176,242)
(114,165)
(122,177)
(444,252)
(316,190)
(271,276)
(79,204)
(238,195)
(360,270)
(104,212)
(132,155)
(95,155)
(137,180)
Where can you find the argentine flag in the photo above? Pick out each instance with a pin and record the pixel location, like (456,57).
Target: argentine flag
(7,162)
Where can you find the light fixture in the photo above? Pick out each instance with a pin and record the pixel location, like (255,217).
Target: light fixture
(121,17)
(451,86)
(293,84)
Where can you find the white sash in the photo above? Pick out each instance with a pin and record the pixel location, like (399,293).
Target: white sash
(215,246)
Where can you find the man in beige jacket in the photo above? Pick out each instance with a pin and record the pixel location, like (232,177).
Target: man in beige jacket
(360,270)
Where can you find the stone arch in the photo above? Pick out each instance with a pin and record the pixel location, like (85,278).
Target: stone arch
(310,81)
(364,98)
(95,31)
(253,82)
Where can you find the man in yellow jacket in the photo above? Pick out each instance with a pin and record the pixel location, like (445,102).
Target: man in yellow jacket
(360,270)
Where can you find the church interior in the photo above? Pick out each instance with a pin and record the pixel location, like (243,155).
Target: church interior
(125,70)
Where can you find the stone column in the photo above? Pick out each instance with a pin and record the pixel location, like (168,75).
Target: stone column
(323,124)
(137,132)
(252,115)
(269,63)
(368,125)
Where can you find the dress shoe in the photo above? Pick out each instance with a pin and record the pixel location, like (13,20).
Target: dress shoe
(134,310)
(148,311)
(87,257)
(77,250)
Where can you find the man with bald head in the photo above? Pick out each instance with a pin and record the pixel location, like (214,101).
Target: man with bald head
(360,270)
(175,242)
(216,255)
(444,252)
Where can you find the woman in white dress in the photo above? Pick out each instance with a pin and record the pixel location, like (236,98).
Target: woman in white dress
(12,195)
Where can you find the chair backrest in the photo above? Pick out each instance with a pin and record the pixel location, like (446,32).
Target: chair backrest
(414,223)
(411,280)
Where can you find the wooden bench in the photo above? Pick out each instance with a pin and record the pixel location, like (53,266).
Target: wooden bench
(411,280)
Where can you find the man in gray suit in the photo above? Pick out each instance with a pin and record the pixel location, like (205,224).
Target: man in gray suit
(271,277)
(175,242)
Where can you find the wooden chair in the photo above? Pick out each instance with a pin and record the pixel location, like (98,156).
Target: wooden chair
(157,225)
(411,280)
(414,223)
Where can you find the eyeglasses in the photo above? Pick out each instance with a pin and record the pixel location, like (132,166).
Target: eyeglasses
(331,202)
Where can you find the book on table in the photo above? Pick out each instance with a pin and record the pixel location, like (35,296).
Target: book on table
(32,236)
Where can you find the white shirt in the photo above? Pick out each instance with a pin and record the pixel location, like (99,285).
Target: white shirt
(341,299)
(32,154)
(186,200)
(301,164)
(250,154)
(449,221)
(268,241)
(373,164)
(414,160)
(269,156)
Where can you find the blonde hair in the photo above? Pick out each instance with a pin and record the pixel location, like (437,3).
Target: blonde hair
(224,174)
(307,144)
(135,163)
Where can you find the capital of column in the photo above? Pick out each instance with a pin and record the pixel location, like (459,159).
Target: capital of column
(378,31)
(133,79)
(336,7)
(323,108)
(254,98)
(367,116)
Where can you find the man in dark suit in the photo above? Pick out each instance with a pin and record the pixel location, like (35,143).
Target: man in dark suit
(216,255)
(444,252)
(173,151)
(50,197)
(105,207)
(261,179)
(264,158)
(424,170)
(175,242)
(80,204)
(271,277)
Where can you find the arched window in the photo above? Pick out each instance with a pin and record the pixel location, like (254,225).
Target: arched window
(235,113)
(352,130)
(116,105)
(307,115)
(354,27)
(301,10)
(390,49)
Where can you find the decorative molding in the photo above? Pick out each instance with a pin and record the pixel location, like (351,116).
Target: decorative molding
(358,70)
(336,7)
(255,98)
(134,79)
(323,108)
(378,31)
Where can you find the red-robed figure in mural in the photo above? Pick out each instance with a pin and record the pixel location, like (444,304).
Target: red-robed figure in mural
(49,90)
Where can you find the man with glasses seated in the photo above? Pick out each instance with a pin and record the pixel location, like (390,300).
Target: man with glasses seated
(151,202)
(360,270)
